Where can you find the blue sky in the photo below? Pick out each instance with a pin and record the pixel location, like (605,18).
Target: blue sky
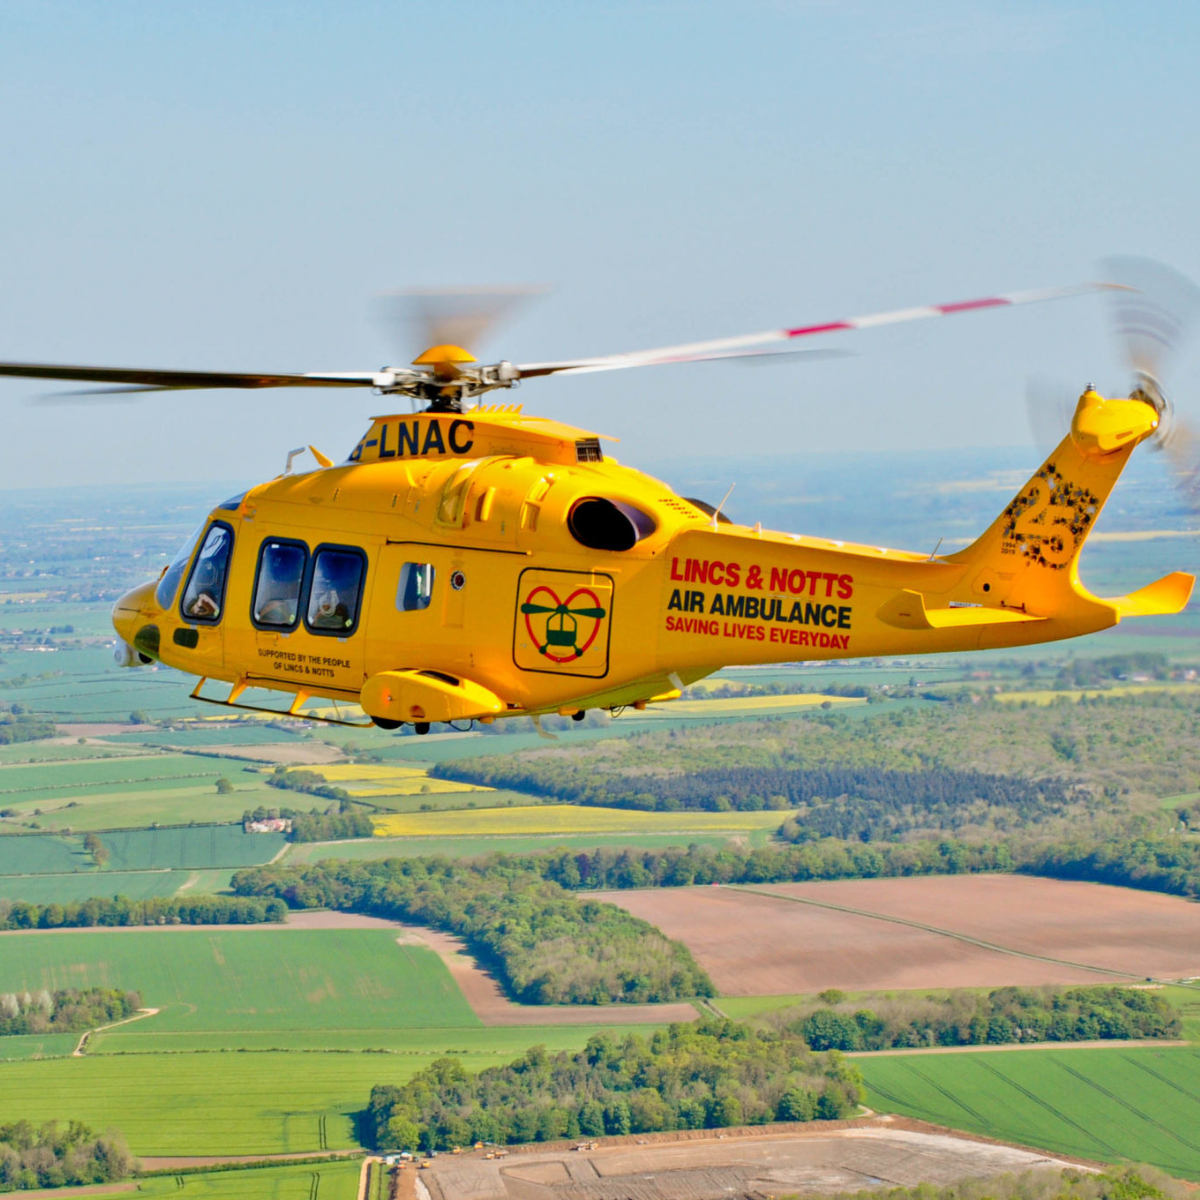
(227,186)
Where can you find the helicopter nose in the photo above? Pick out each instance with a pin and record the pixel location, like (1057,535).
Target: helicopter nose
(132,618)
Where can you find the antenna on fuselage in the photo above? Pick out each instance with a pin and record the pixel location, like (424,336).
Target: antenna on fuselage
(717,511)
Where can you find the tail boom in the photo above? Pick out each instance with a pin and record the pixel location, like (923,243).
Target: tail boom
(732,595)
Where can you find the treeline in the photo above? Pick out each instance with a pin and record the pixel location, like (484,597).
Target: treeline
(546,946)
(315,826)
(1001,1017)
(18,724)
(1170,864)
(1090,672)
(708,1075)
(54,1155)
(310,782)
(64,1011)
(121,910)
(677,866)
(865,802)
(1163,865)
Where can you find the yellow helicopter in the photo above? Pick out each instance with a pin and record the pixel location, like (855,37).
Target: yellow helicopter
(469,561)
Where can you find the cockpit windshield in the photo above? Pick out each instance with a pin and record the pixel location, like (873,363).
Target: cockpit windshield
(168,585)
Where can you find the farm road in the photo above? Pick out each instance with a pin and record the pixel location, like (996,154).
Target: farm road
(81,1048)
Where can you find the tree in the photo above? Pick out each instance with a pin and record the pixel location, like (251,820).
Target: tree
(224,787)
(139,716)
(403,1133)
(796,1104)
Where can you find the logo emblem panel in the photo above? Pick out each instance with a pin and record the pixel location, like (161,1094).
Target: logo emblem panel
(563,621)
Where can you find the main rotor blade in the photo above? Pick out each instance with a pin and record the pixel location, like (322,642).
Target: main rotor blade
(738,347)
(168,380)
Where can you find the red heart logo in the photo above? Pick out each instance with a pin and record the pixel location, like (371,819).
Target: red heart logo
(566,621)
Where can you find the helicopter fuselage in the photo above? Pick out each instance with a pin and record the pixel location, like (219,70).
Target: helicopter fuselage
(492,564)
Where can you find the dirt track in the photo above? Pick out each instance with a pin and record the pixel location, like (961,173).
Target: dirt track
(924,932)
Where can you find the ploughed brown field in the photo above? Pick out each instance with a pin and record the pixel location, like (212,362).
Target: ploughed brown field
(780,938)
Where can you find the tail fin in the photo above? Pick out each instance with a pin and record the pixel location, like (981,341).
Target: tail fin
(1027,559)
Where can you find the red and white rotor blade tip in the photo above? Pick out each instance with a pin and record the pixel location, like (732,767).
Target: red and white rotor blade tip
(744,346)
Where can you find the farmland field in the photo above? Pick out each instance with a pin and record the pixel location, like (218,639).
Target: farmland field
(62,889)
(567,819)
(198,846)
(1136,1105)
(239,1103)
(468,847)
(946,931)
(440,801)
(262,979)
(42,855)
(37,1045)
(127,790)
(324,1181)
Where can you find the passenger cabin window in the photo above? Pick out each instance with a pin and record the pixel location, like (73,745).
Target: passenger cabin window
(416,587)
(204,596)
(333,598)
(277,590)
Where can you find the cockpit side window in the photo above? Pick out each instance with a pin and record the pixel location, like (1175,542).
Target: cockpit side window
(336,590)
(277,588)
(204,596)
(168,585)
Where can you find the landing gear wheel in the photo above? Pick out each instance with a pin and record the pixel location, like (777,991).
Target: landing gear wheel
(421,727)
(579,716)
(386,723)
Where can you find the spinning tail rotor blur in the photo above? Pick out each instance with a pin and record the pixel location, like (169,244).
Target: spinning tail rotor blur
(1153,311)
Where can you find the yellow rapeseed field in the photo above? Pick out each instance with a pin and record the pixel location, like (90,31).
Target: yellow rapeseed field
(380,779)
(744,704)
(567,818)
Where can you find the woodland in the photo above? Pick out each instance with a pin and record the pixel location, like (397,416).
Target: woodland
(967,764)
(964,1018)
(64,1011)
(545,945)
(157,910)
(707,1075)
(59,1155)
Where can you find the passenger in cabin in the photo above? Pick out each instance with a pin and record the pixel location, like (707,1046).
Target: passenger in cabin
(337,581)
(207,585)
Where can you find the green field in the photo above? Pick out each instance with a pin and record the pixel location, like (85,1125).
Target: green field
(45,752)
(1126,1105)
(204,1103)
(235,1103)
(137,885)
(42,855)
(469,847)
(255,980)
(37,1045)
(335,1181)
(127,791)
(200,846)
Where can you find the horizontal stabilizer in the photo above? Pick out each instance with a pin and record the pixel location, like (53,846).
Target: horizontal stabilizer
(1164,597)
(906,610)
